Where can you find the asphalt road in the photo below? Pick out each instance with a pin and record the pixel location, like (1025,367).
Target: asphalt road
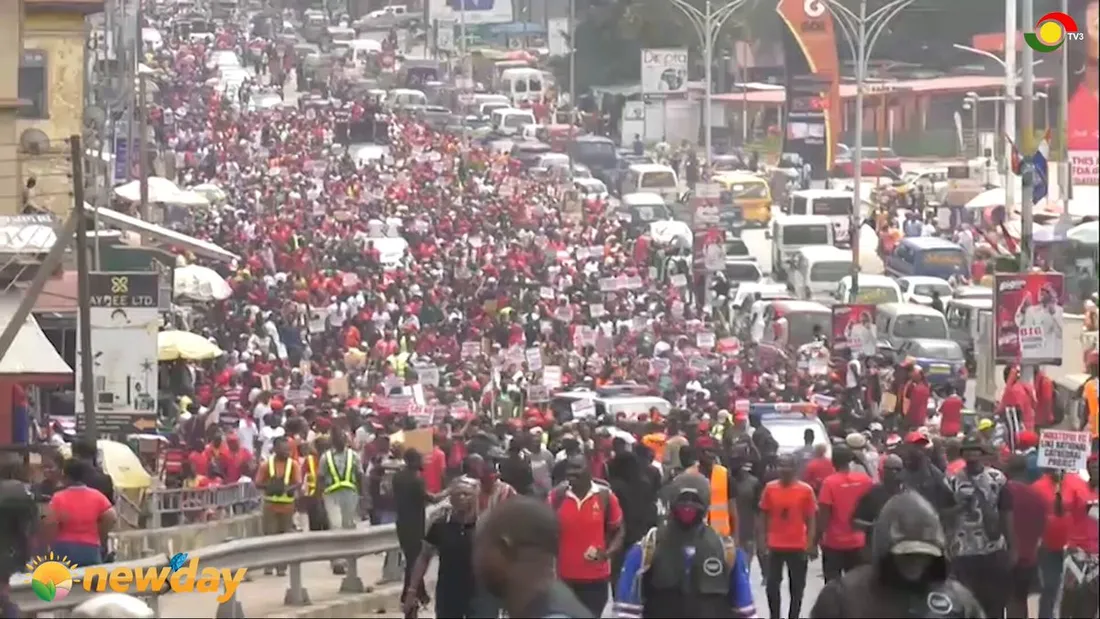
(814,583)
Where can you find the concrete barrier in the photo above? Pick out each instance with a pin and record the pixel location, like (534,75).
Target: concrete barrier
(138,543)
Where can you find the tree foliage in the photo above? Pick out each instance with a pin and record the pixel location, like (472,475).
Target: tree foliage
(611,33)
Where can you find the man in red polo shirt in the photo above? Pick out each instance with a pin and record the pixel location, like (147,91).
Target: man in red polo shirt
(590,519)
(841,544)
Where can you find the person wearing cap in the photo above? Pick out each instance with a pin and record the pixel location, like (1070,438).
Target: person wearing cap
(982,529)
(921,475)
(683,568)
(907,574)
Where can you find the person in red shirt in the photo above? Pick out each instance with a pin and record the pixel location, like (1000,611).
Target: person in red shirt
(435,468)
(238,461)
(916,400)
(591,523)
(818,468)
(1028,516)
(951,414)
(1082,548)
(841,544)
(1052,487)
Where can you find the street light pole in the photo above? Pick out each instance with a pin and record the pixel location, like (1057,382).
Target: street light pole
(707,24)
(861,30)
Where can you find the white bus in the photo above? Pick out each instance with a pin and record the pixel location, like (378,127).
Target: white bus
(836,204)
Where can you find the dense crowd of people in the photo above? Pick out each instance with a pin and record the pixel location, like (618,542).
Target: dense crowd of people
(399,323)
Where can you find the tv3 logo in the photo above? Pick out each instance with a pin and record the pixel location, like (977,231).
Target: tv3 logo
(813,8)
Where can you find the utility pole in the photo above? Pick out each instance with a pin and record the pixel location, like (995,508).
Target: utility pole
(708,24)
(1065,169)
(87,372)
(572,62)
(1010,103)
(861,32)
(1027,143)
(143,149)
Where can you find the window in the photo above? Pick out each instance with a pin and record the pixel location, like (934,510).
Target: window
(520,85)
(536,86)
(33,73)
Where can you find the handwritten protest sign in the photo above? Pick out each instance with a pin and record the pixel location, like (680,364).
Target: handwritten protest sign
(1063,450)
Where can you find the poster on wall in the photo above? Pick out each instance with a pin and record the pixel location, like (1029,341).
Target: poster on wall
(1027,320)
(854,329)
(664,71)
(124,318)
(1083,117)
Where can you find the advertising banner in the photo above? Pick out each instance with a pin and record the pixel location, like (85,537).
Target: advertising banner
(125,319)
(664,71)
(854,328)
(812,109)
(1027,318)
(472,12)
(710,250)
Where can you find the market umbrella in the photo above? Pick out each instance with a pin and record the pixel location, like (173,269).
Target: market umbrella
(210,191)
(200,283)
(1087,233)
(121,464)
(175,345)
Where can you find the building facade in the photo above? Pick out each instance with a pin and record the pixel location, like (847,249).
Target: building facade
(51,84)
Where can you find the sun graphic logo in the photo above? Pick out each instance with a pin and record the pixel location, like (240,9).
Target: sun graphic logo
(51,577)
(1051,31)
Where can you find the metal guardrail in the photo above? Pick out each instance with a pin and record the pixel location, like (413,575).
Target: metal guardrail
(165,507)
(288,549)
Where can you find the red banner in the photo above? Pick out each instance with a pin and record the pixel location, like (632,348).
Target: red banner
(854,327)
(1027,319)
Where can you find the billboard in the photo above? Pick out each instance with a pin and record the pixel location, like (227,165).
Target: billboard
(124,319)
(1027,318)
(812,114)
(664,71)
(854,328)
(472,12)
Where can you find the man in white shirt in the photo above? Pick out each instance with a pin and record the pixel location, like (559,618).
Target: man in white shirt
(1039,326)
(861,336)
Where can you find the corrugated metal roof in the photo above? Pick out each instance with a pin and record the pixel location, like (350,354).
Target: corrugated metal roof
(31,352)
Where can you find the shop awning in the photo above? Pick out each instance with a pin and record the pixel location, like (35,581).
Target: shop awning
(163,235)
(31,353)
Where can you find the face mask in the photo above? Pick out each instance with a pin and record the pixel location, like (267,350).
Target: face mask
(687,515)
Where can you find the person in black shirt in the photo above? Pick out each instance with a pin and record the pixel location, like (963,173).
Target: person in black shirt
(411,499)
(86,450)
(872,501)
(515,470)
(515,552)
(451,536)
(18,517)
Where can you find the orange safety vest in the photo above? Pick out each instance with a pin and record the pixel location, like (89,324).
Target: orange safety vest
(311,475)
(1091,388)
(719,514)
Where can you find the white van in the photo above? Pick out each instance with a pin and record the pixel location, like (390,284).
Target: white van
(873,289)
(651,177)
(523,84)
(791,232)
(510,120)
(362,50)
(404,97)
(836,204)
(816,270)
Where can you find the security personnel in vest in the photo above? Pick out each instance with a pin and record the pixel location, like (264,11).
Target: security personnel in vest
(340,475)
(280,478)
(682,567)
(722,513)
(313,501)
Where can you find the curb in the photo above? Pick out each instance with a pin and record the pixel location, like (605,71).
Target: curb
(381,600)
